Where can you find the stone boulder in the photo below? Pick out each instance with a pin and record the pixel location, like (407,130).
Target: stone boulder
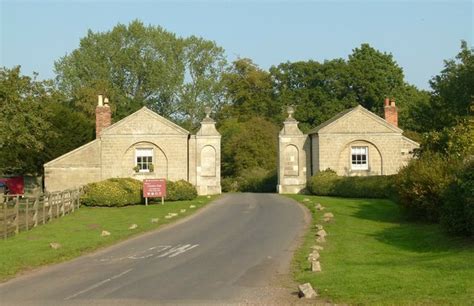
(321,233)
(155,220)
(55,245)
(182,211)
(105,233)
(314,256)
(317,247)
(319,206)
(306,291)
(133,226)
(320,239)
(306,200)
(328,215)
(318,226)
(315,266)
(192,206)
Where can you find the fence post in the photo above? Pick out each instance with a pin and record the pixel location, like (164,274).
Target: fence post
(44,207)
(63,203)
(50,207)
(27,213)
(73,200)
(57,204)
(17,213)
(35,215)
(5,226)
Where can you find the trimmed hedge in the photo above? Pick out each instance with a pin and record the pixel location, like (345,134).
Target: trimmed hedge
(114,192)
(117,192)
(328,183)
(180,191)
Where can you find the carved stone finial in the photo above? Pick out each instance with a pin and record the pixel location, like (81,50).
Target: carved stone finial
(207,110)
(290,110)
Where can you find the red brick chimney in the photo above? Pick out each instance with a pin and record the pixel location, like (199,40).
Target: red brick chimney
(391,113)
(103,115)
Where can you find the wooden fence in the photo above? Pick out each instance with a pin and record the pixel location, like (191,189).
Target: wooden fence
(24,213)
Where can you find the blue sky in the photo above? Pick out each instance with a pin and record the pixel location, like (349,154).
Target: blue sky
(420,34)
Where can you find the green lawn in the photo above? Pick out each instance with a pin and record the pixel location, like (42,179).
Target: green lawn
(79,233)
(372,256)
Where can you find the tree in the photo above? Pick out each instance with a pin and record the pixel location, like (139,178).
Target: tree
(138,65)
(452,98)
(248,91)
(318,90)
(248,145)
(374,76)
(34,126)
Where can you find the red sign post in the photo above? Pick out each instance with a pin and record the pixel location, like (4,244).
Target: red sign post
(154,188)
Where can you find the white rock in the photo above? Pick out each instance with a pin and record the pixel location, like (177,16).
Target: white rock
(317,247)
(105,233)
(321,239)
(55,245)
(327,219)
(133,226)
(306,200)
(173,214)
(313,256)
(315,266)
(319,207)
(209,197)
(192,206)
(321,233)
(328,215)
(183,210)
(155,220)
(306,291)
(319,226)
(168,217)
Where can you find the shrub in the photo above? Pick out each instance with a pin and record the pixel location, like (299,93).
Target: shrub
(180,191)
(323,183)
(113,192)
(328,183)
(252,180)
(421,184)
(457,213)
(379,186)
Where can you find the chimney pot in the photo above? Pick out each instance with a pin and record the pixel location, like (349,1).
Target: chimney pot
(100,100)
(391,112)
(103,115)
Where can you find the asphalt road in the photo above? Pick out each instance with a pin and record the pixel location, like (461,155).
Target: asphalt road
(236,250)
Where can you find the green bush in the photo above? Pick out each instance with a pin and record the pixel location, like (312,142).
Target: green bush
(421,184)
(457,213)
(180,191)
(323,183)
(113,192)
(252,180)
(327,183)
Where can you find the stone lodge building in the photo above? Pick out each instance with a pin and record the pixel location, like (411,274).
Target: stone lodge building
(354,142)
(143,145)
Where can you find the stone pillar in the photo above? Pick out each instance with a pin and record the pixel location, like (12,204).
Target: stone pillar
(103,115)
(293,146)
(208,157)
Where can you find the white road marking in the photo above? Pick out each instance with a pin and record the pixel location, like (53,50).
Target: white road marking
(98,284)
(157,251)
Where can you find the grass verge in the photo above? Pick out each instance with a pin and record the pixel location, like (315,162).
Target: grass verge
(80,233)
(372,256)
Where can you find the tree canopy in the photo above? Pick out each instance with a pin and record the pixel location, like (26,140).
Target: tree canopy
(138,65)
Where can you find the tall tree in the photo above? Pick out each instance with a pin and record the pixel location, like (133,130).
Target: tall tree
(248,91)
(138,65)
(318,90)
(374,76)
(452,98)
(34,126)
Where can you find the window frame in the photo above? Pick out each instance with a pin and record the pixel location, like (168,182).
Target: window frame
(359,166)
(150,155)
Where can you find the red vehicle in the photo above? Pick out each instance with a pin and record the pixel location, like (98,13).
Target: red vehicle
(15,184)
